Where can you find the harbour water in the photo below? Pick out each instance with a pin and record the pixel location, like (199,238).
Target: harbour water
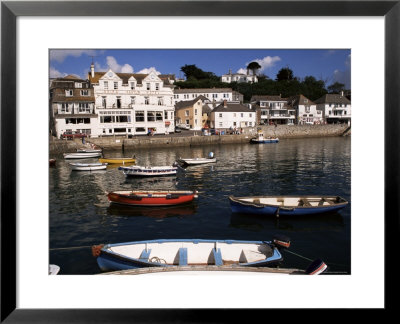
(81,216)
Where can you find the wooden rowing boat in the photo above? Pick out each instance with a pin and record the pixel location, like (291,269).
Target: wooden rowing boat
(82,155)
(186,252)
(197,161)
(119,160)
(287,205)
(151,198)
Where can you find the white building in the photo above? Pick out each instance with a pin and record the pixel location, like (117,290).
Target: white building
(132,104)
(273,110)
(212,96)
(306,110)
(72,108)
(336,108)
(238,77)
(229,115)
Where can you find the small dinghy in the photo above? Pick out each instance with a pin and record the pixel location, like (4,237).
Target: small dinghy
(197,161)
(195,252)
(147,171)
(260,139)
(82,155)
(88,166)
(151,198)
(287,205)
(89,148)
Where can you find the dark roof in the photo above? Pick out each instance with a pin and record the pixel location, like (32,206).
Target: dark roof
(203,90)
(232,107)
(125,77)
(185,104)
(267,98)
(332,98)
(299,100)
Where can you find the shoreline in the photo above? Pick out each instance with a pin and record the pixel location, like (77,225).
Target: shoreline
(193,138)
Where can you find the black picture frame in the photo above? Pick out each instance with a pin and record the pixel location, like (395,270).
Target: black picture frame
(10,10)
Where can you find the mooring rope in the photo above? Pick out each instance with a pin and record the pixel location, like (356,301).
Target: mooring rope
(303,257)
(71,248)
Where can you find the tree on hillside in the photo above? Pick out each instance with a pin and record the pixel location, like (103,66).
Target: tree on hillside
(254,67)
(336,87)
(193,72)
(284,74)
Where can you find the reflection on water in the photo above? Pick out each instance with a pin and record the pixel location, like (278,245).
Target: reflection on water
(80,214)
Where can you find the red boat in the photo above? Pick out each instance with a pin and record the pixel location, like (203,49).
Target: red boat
(151,198)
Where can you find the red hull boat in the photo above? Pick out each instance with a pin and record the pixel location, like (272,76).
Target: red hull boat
(151,198)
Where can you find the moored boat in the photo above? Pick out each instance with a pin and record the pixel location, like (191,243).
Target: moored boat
(151,198)
(119,160)
(260,139)
(89,148)
(186,252)
(287,205)
(88,166)
(53,269)
(81,155)
(197,161)
(149,171)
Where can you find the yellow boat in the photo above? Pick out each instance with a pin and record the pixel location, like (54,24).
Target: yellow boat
(117,160)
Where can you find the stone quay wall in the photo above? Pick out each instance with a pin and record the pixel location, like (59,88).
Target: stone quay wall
(57,146)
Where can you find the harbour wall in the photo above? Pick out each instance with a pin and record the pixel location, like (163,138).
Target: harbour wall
(57,146)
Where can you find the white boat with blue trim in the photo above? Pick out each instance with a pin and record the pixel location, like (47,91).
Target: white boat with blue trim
(88,166)
(187,252)
(260,139)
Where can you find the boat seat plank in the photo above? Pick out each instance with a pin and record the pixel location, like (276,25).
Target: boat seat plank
(217,257)
(304,202)
(144,256)
(183,259)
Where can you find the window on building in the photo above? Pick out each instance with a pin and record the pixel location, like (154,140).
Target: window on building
(195,112)
(64,108)
(147,86)
(157,86)
(115,85)
(106,119)
(186,112)
(84,92)
(234,124)
(250,115)
(220,115)
(118,102)
(133,100)
(132,85)
(250,123)
(139,116)
(122,119)
(83,107)
(165,114)
(220,124)
(160,101)
(103,102)
(159,116)
(146,100)
(187,121)
(140,130)
(241,114)
(307,109)
(69,93)
(105,85)
(78,85)
(151,116)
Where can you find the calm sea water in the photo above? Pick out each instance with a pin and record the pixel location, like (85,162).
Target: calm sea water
(80,215)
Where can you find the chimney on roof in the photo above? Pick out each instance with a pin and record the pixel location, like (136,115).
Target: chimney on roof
(92,70)
(225,105)
(342,93)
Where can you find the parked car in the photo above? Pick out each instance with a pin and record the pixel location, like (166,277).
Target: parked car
(183,126)
(177,130)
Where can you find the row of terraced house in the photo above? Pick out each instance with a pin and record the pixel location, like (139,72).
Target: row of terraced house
(109,103)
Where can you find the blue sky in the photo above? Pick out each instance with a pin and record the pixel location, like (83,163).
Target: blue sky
(330,65)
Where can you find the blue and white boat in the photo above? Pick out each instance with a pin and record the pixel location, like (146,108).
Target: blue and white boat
(187,252)
(260,139)
(287,205)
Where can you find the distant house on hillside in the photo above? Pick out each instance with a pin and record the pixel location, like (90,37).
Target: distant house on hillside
(336,108)
(238,77)
(212,96)
(273,110)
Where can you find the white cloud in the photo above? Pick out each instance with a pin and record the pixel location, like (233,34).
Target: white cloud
(55,73)
(114,65)
(265,63)
(61,55)
(148,70)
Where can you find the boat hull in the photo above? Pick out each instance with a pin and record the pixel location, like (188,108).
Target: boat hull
(81,155)
(239,205)
(117,160)
(138,171)
(197,161)
(88,167)
(137,198)
(264,141)
(111,258)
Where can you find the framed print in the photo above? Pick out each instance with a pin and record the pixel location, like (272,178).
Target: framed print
(33,31)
